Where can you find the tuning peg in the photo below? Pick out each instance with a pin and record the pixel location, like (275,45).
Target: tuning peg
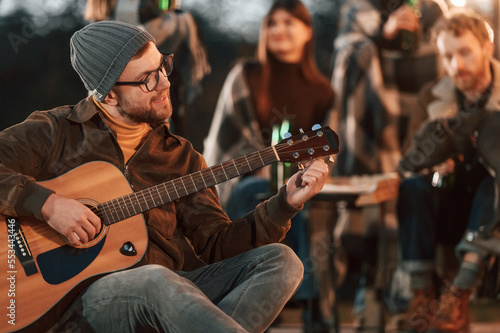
(304,136)
(330,158)
(317,127)
(310,151)
(300,165)
(287,137)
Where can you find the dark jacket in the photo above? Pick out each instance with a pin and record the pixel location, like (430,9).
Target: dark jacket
(50,143)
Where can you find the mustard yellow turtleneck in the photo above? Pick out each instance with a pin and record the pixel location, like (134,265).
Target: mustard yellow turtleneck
(129,137)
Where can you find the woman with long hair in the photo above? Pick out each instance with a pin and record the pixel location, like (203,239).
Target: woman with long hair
(280,90)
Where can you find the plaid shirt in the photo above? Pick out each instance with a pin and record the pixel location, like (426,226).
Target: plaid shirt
(376,88)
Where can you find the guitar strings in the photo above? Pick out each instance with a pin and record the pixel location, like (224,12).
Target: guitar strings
(111,208)
(115,211)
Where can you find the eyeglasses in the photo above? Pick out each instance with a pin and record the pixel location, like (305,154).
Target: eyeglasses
(151,81)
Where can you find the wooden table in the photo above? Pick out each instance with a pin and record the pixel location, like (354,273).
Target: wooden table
(367,190)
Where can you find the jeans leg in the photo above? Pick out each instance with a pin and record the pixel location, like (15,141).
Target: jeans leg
(150,298)
(299,240)
(482,214)
(252,287)
(417,229)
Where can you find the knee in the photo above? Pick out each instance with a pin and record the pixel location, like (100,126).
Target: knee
(150,273)
(286,260)
(160,276)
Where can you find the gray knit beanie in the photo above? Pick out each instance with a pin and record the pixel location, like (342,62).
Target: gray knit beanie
(100,51)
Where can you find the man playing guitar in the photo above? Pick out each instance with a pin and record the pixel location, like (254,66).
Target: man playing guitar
(119,138)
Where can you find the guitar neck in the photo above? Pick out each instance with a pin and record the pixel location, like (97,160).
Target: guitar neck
(135,203)
(319,142)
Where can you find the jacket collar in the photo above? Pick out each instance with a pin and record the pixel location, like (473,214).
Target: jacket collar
(445,104)
(84,110)
(494,101)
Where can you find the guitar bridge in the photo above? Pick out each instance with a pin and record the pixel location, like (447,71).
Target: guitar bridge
(18,243)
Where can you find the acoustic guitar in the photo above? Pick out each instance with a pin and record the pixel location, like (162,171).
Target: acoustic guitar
(44,272)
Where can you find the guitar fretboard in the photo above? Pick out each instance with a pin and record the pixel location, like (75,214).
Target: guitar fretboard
(135,203)
(319,142)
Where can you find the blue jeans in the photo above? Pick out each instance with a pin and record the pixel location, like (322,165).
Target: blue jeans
(428,215)
(241,294)
(248,193)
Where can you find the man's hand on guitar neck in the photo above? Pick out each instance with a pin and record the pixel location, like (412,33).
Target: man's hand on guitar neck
(71,219)
(306,183)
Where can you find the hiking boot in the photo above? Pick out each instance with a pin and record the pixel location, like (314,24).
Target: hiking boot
(420,312)
(453,313)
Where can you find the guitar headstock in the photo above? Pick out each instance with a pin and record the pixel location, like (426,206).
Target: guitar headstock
(321,141)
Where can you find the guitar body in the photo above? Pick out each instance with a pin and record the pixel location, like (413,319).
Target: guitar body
(35,294)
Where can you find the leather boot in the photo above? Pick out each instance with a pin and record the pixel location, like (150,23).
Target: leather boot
(453,313)
(420,311)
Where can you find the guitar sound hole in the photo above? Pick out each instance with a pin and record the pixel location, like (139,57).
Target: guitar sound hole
(100,231)
(92,205)
(94,209)
(97,238)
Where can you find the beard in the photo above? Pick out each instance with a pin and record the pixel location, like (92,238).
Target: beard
(472,81)
(155,114)
(146,115)
(464,81)
(467,81)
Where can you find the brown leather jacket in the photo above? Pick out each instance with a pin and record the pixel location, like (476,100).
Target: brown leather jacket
(50,143)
